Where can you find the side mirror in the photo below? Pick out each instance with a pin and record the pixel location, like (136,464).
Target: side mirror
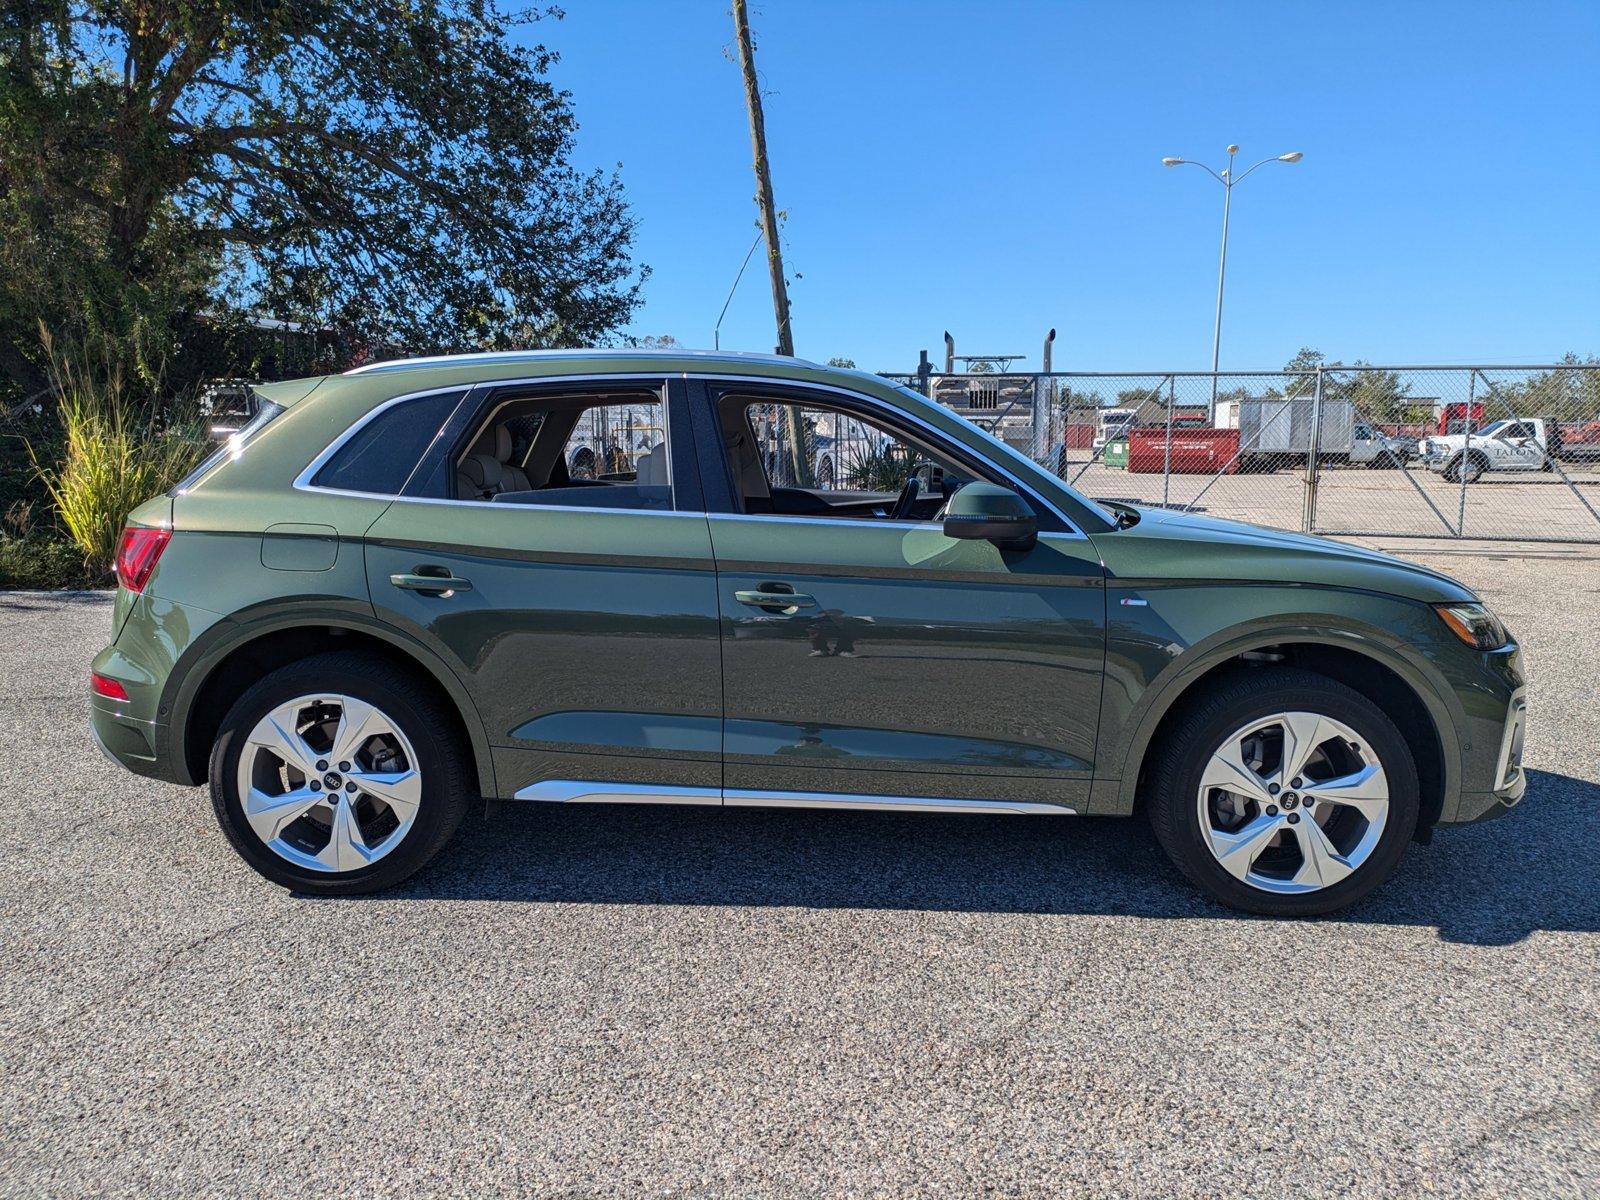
(986,512)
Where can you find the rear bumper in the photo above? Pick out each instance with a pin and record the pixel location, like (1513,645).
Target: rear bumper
(128,731)
(138,733)
(140,746)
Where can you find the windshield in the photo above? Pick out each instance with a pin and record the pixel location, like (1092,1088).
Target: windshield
(1498,429)
(1005,452)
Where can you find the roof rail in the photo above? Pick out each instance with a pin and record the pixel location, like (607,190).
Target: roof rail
(512,356)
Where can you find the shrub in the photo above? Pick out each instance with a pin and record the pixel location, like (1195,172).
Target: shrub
(35,563)
(114,458)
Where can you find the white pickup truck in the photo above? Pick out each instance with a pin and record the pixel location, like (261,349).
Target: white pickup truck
(1515,444)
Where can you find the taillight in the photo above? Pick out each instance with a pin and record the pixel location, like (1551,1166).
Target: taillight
(104,685)
(138,553)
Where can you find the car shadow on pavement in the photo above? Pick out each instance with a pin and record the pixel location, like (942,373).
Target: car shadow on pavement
(1488,884)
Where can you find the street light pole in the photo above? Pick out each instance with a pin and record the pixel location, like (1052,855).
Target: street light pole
(1227,180)
(1222,275)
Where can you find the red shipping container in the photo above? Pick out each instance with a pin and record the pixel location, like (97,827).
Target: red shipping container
(1194,451)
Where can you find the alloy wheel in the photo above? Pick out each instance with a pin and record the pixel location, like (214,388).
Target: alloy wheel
(1293,803)
(329,782)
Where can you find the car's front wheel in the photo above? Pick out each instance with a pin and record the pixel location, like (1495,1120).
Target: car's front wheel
(338,775)
(1284,792)
(1469,468)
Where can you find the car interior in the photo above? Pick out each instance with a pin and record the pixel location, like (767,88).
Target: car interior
(583,451)
(609,450)
(853,468)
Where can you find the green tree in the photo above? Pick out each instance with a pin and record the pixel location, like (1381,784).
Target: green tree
(848,364)
(1376,395)
(1570,392)
(397,170)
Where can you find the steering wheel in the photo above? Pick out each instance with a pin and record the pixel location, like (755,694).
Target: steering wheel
(909,495)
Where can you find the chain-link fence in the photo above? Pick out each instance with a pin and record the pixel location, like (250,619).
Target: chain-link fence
(1457,452)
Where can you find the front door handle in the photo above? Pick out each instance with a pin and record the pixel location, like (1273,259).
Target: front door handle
(758,599)
(443,584)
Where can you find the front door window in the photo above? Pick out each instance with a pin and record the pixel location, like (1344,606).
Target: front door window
(804,460)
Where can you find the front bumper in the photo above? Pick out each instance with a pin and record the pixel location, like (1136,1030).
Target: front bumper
(1511,780)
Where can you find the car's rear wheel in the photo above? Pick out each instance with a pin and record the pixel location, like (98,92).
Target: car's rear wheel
(1284,792)
(338,775)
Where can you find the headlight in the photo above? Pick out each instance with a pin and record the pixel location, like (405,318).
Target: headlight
(1474,624)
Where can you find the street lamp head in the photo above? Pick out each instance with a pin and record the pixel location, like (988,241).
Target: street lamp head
(1292,156)
(1233,149)
(1172,162)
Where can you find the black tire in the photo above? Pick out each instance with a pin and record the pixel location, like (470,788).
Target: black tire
(1206,722)
(447,783)
(1471,467)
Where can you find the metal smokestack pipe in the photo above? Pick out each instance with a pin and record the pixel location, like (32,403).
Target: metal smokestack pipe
(1049,341)
(949,353)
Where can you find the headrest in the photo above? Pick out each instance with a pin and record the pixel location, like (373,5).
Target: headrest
(482,472)
(494,442)
(651,469)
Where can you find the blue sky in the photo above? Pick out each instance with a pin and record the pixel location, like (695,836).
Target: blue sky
(994,169)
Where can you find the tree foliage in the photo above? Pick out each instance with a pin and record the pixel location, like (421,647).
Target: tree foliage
(393,168)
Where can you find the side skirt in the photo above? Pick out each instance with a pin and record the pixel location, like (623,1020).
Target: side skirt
(578,791)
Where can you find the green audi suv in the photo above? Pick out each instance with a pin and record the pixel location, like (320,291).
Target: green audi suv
(630,578)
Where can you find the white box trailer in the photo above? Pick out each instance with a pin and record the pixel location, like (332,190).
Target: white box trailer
(1276,431)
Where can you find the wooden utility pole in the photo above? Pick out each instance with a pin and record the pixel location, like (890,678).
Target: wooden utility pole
(799,461)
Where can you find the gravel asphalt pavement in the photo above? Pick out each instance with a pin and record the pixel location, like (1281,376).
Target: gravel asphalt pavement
(656,1002)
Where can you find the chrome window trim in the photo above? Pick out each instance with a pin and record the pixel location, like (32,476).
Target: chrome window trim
(848,522)
(302,481)
(546,508)
(862,523)
(584,791)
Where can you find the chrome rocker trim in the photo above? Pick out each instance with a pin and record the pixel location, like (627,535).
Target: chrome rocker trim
(579,791)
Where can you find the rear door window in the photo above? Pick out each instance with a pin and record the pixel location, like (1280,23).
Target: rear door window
(570,450)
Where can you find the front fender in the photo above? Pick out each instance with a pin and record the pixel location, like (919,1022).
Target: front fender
(1156,652)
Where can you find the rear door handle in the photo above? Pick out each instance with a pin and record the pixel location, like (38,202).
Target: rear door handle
(431,585)
(758,599)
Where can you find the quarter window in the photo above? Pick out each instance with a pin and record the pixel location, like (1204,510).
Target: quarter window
(381,455)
